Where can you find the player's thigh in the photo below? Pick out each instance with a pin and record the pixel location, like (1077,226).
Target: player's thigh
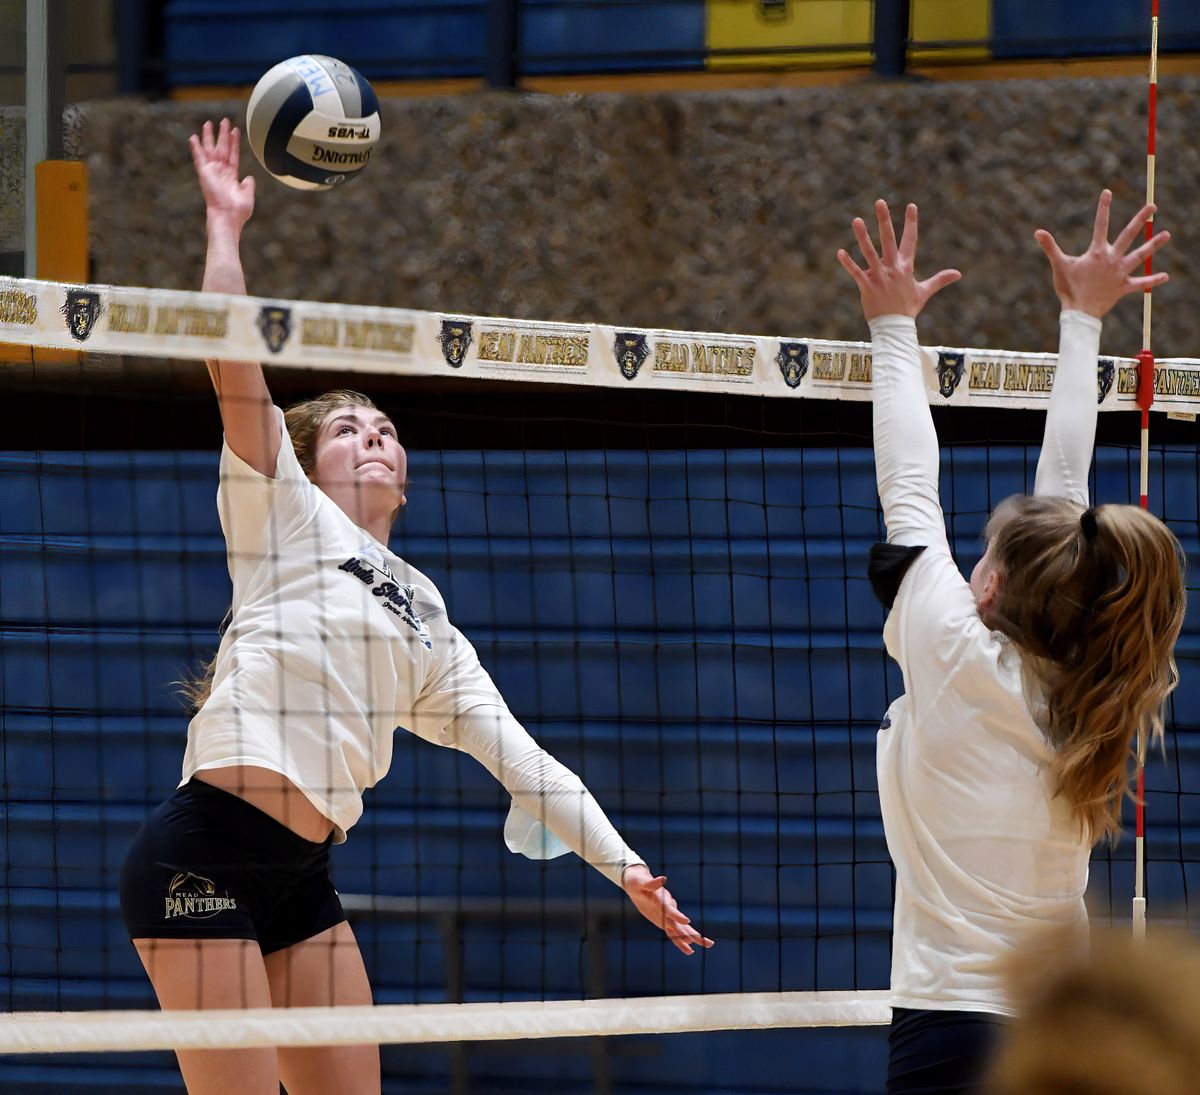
(324,970)
(214,973)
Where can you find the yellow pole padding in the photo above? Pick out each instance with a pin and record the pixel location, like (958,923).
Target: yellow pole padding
(62,232)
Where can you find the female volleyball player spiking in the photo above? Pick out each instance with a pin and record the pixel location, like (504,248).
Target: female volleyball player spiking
(1008,755)
(332,641)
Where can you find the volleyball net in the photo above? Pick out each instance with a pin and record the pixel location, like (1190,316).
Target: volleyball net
(665,574)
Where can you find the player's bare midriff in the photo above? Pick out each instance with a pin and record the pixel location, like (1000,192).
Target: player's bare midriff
(274,794)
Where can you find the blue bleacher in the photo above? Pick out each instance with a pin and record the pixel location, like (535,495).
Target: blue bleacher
(690,631)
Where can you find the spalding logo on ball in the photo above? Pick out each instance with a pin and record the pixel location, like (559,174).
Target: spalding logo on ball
(312,122)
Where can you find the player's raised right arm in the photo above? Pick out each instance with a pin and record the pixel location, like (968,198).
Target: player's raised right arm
(251,425)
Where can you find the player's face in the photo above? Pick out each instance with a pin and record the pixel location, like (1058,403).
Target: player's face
(358,446)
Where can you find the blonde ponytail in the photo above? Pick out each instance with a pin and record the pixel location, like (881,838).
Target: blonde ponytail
(1094,600)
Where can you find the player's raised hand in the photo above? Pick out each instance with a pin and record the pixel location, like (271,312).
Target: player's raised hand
(1094,281)
(653,900)
(216,157)
(889,284)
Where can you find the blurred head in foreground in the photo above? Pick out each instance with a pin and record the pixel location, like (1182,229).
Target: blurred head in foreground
(1125,1020)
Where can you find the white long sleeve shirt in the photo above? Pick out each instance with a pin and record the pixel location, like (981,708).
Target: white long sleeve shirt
(333,641)
(985,854)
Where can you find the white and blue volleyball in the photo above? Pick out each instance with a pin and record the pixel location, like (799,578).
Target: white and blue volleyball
(312,122)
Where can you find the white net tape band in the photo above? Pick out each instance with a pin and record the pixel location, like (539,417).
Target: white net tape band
(179,324)
(78,1032)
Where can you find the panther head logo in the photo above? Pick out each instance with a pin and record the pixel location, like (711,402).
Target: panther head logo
(455,339)
(632,350)
(275,323)
(950,369)
(81,310)
(198,884)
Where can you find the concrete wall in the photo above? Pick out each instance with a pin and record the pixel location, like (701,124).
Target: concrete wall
(710,211)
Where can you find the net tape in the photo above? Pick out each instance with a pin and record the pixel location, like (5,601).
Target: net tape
(392,1024)
(182,324)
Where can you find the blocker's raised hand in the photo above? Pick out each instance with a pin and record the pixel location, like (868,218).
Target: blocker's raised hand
(889,285)
(653,900)
(1094,281)
(216,158)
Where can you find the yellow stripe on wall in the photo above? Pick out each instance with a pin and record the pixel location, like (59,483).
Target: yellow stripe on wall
(951,21)
(827,24)
(750,24)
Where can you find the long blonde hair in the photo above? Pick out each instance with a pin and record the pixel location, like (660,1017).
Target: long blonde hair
(1094,600)
(303,421)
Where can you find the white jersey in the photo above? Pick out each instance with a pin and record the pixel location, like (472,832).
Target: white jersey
(986,855)
(333,642)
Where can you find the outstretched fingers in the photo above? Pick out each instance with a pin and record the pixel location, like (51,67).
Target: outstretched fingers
(1050,246)
(1100,228)
(1139,255)
(908,239)
(869,254)
(659,906)
(1134,228)
(887,234)
(1150,281)
(851,267)
(938,282)
(233,148)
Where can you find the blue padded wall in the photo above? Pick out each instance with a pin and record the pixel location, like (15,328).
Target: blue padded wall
(236,41)
(690,631)
(1066,28)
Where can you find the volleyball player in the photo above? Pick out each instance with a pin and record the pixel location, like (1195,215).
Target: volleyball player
(1008,755)
(332,640)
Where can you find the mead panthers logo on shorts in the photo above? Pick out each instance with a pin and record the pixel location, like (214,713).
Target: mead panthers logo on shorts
(632,350)
(81,310)
(195,897)
(950,369)
(1106,373)
(792,360)
(275,323)
(455,339)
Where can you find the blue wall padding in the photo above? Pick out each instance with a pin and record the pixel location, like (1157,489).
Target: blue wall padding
(236,41)
(690,631)
(1038,28)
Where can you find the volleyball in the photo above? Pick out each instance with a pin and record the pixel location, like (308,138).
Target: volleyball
(312,122)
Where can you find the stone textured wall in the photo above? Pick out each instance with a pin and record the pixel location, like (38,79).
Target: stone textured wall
(710,211)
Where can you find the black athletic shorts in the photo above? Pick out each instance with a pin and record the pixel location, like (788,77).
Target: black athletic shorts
(940,1052)
(208,865)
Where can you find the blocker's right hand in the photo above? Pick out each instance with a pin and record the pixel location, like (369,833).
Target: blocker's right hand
(216,159)
(889,284)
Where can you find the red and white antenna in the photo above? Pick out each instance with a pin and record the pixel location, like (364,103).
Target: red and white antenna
(1145,398)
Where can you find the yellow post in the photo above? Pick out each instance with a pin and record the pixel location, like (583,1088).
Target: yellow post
(60,194)
(62,232)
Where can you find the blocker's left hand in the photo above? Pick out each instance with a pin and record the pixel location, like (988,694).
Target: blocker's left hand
(653,900)
(1094,281)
